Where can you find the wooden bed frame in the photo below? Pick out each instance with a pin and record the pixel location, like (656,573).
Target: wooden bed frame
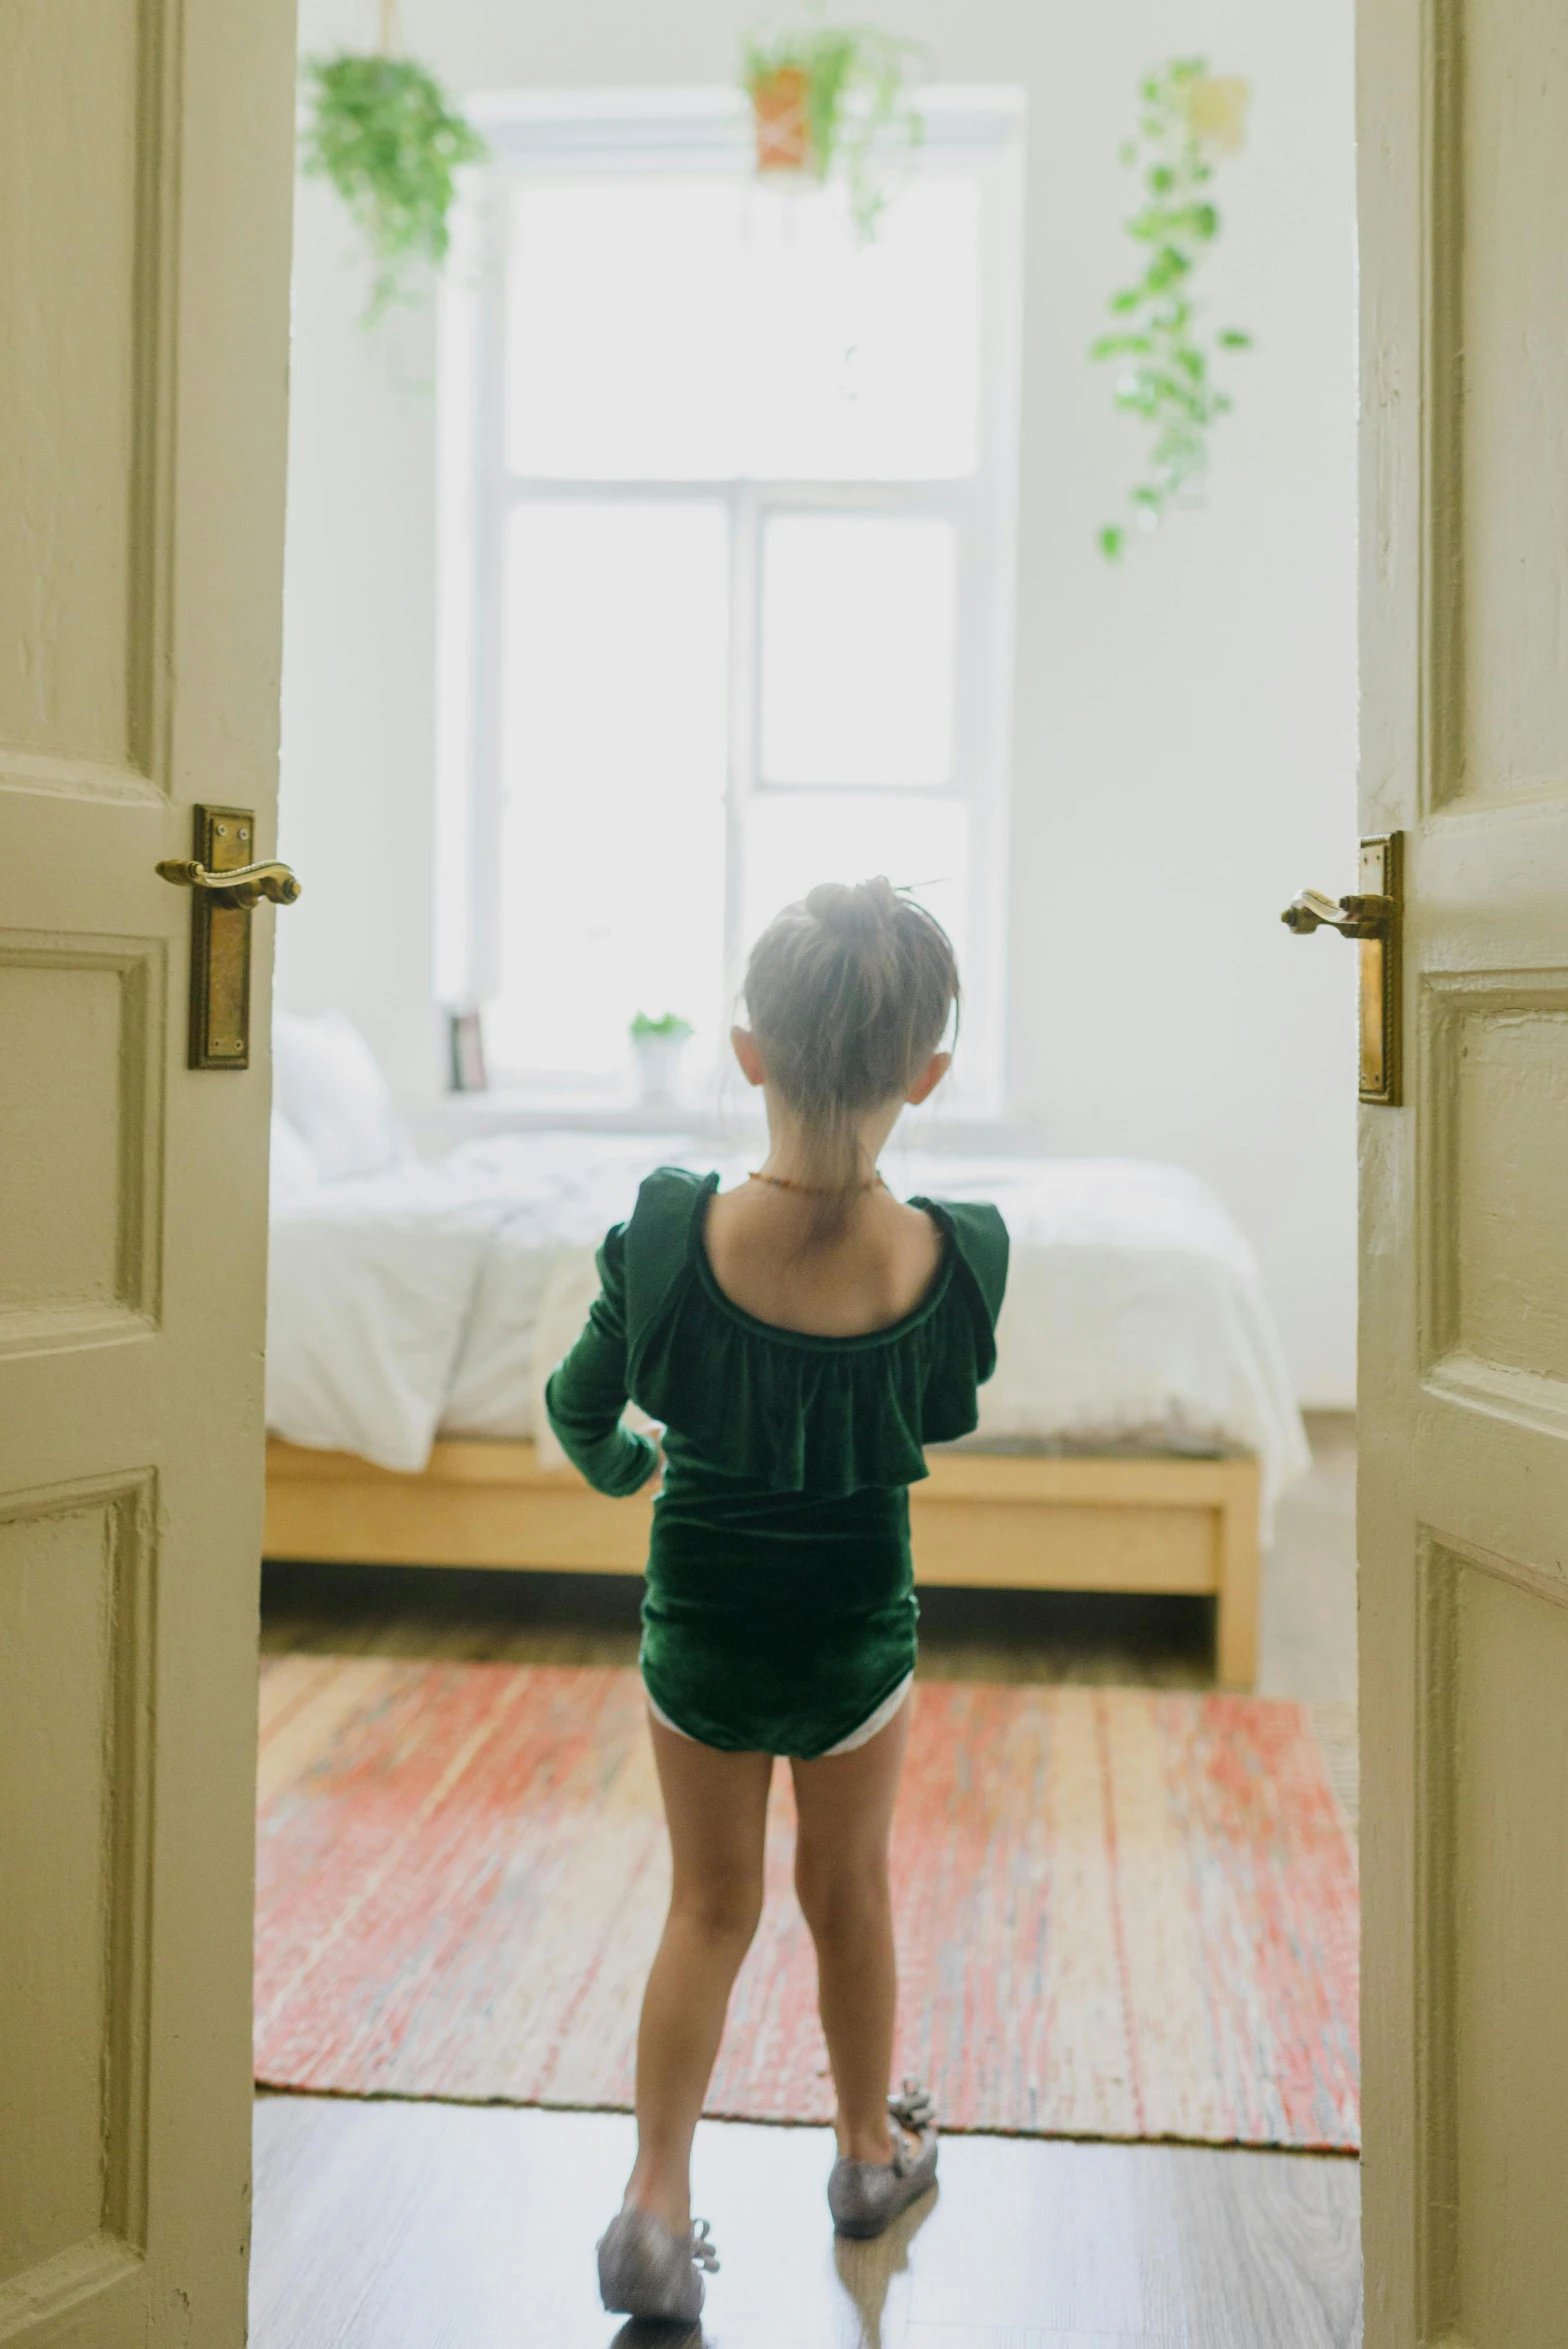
(988,1520)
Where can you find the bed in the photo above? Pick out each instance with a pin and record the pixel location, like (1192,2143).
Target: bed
(1135,1438)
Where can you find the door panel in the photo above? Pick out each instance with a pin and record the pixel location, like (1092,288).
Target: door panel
(78,1018)
(1464,1233)
(74,1570)
(1499,188)
(145,180)
(72,134)
(1496,1762)
(1495,1084)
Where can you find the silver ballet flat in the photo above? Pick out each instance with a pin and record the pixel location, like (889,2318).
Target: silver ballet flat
(866,2196)
(645,2270)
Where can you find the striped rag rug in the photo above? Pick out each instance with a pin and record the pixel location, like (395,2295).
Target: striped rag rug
(1121,1913)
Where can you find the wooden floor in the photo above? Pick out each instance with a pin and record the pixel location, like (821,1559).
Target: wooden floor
(422,2226)
(407,2226)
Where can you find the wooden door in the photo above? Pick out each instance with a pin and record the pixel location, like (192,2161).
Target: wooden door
(1464,1202)
(145,176)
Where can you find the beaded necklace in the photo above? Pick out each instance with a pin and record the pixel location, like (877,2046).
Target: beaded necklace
(810,1190)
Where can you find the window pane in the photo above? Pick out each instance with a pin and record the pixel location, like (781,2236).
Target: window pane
(613,763)
(795,841)
(622,357)
(703,329)
(857,650)
(863,358)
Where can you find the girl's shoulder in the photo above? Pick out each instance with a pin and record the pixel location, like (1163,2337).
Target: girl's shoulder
(979,1238)
(654,1245)
(668,1201)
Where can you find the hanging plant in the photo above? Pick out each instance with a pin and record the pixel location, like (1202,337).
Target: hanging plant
(386,135)
(822,99)
(1189,117)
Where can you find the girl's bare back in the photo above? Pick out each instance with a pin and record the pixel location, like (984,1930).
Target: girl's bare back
(868,1277)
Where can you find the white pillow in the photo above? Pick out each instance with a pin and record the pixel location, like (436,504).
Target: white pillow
(293,1170)
(327,1085)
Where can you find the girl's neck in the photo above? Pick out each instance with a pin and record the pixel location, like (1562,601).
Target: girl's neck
(795,1164)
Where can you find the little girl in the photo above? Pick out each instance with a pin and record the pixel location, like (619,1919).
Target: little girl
(800,1337)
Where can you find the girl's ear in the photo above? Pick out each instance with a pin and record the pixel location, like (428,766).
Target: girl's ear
(745,1044)
(929,1078)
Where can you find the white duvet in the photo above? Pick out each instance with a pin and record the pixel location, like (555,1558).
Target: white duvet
(436,1299)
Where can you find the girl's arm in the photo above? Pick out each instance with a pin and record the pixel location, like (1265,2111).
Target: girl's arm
(586,1394)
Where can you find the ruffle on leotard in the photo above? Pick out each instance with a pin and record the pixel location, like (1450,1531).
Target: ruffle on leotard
(784,1411)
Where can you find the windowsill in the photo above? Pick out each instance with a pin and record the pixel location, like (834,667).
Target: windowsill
(442,1124)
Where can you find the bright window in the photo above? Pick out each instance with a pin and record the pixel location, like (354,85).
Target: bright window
(725,575)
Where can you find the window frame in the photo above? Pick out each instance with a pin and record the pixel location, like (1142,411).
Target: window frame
(560,135)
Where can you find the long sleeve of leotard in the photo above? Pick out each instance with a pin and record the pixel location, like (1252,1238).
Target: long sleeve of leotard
(586,1394)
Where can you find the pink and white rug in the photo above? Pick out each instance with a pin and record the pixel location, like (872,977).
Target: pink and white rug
(1121,1913)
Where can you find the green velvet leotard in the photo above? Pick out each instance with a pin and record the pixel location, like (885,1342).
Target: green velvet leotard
(780,1607)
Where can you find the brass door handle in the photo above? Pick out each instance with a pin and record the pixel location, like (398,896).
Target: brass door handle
(1373,917)
(1352,917)
(242,885)
(224,890)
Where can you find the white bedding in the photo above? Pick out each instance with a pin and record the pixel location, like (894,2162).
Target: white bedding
(436,1299)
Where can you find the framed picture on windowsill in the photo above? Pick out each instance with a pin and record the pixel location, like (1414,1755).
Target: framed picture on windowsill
(467,1040)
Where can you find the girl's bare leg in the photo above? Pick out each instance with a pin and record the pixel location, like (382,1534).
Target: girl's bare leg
(716,1806)
(845,1809)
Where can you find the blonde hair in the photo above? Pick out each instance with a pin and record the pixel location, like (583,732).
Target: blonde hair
(848,994)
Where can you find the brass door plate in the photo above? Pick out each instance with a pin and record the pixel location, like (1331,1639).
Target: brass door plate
(1382,875)
(220,944)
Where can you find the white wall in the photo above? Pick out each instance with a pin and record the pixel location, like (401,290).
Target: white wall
(1185,724)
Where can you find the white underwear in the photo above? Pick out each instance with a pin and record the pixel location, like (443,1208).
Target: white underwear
(846,1745)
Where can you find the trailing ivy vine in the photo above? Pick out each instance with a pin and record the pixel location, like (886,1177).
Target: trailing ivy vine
(1163,356)
(385,134)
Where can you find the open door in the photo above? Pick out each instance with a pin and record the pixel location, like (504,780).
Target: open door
(145,190)
(1464,1189)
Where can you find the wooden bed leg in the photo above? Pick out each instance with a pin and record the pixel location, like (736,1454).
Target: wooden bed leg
(1236,1626)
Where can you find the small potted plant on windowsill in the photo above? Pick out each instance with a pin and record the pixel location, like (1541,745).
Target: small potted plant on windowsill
(822,97)
(657,1046)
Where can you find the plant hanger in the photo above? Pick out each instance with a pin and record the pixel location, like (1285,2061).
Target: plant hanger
(824,99)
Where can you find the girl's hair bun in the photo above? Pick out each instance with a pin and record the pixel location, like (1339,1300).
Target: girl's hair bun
(857,913)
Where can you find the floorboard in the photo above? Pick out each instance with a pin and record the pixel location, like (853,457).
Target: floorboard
(415,2226)
(425,2226)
